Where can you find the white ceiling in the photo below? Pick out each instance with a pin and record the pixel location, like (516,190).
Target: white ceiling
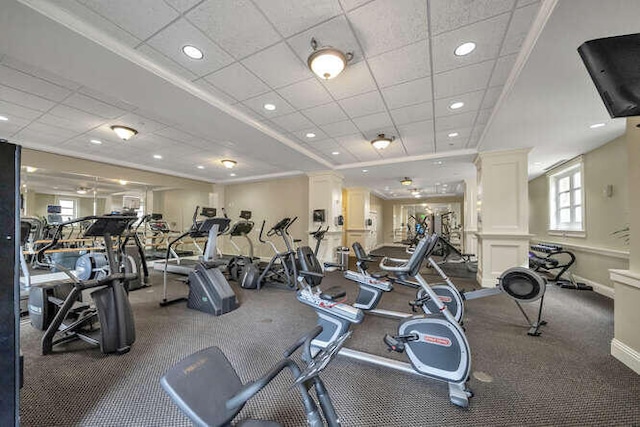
(69,70)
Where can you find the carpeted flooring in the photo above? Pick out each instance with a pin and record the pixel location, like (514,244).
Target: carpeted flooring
(564,377)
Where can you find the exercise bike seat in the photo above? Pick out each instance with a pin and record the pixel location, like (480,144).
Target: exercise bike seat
(379,275)
(201,384)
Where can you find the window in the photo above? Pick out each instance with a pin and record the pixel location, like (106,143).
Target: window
(68,210)
(566,204)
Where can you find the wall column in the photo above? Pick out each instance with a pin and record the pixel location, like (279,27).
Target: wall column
(358,207)
(470,240)
(625,345)
(503,213)
(325,193)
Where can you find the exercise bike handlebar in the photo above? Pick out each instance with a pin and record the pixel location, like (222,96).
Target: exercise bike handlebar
(404,268)
(305,339)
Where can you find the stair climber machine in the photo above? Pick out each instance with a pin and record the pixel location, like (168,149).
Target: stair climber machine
(435,344)
(58,308)
(240,228)
(282,269)
(209,291)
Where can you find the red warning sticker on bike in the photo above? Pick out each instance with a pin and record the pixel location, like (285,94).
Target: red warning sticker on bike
(434,339)
(445,299)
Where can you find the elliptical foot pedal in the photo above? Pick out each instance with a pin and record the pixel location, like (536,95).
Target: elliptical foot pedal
(333,293)
(393,344)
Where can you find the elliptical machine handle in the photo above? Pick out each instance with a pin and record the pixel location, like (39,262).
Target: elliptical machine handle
(286,229)
(195,218)
(224,213)
(261,231)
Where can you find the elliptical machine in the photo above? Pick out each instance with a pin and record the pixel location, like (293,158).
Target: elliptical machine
(435,344)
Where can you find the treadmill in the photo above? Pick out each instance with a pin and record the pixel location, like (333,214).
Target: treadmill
(211,227)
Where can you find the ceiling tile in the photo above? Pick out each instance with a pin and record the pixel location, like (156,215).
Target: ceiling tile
(182,5)
(327,113)
(141,18)
(417,130)
(212,90)
(335,32)
(522,3)
(93,106)
(483,116)
(471,101)
(238,82)
(413,113)
(374,123)
(27,83)
(173,38)
(49,131)
(352,4)
(39,73)
(487,35)
(13,125)
(407,63)
(305,94)
(142,124)
(24,99)
(277,66)
(106,98)
(384,25)
(462,80)
(236,25)
(293,122)
(70,118)
(491,97)
(363,105)
(292,17)
(257,104)
(175,134)
(340,128)
(165,62)
(301,135)
(447,15)
(413,92)
(12,110)
(444,142)
(519,28)
(502,70)
(456,122)
(354,80)
(396,149)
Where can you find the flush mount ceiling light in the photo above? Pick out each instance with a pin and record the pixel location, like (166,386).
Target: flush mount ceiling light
(192,52)
(3,118)
(81,190)
(465,49)
(95,141)
(229,164)
(406,181)
(124,133)
(382,142)
(456,105)
(453,134)
(596,125)
(327,62)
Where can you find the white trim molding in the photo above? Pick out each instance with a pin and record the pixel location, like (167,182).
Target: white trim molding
(625,277)
(626,355)
(607,291)
(611,253)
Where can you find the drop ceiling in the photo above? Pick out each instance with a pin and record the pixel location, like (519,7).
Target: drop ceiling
(69,70)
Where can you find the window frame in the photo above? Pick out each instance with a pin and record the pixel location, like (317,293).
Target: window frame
(75,207)
(572,228)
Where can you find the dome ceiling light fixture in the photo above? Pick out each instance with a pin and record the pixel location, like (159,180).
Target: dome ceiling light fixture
(229,164)
(382,142)
(326,61)
(406,181)
(81,190)
(415,192)
(124,133)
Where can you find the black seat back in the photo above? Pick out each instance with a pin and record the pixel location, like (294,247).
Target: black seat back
(423,250)
(309,262)
(201,384)
(361,254)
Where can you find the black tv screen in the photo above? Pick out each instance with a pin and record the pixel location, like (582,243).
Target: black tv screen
(208,212)
(614,66)
(245,215)
(54,209)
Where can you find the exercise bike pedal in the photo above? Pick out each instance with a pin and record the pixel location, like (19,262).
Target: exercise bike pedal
(393,344)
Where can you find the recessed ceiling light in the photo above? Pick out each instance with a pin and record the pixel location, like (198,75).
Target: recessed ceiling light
(537,163)
(192,52)
(310,135)
(456,105)
(465,49)
(453,134)
(438,183)
(95,141)
(4,118)
(335,153)
(229,164)
(438,162)
(157,156)
(269,107)
(123,182)
(596,125)
(365,170)
(200,167)
(31,169)
(232,174)
(417,196)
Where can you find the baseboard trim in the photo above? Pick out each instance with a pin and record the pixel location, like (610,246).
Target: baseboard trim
(607,291)
(626,355)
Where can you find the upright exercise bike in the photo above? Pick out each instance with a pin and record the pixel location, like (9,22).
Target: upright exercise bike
(435,344)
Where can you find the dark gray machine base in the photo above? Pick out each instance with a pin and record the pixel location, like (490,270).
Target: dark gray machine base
(210,292)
